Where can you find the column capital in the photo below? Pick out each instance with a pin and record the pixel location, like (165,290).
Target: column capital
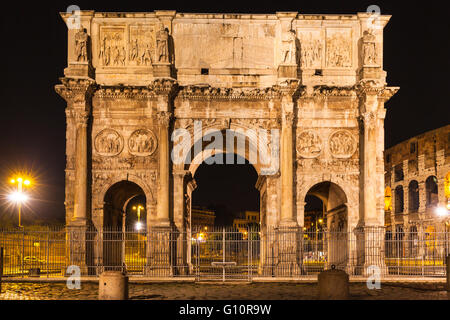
(76,92)
(164,118)
(164,86)
(287,119)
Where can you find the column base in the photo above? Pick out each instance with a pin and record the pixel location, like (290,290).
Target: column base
(159,259)
(288,250)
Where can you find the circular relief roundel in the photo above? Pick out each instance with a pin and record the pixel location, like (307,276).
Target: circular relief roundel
(108,142)
(309,144)
(342,144)
(142,143)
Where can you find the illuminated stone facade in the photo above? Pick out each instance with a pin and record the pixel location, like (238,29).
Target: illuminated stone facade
(134,78)
(418,183)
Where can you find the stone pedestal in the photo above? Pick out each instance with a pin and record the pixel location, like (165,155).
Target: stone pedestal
(77,245)
(370,249)
(113,285)
(80,69)
(162,70)
(159,252)
(448,272)
(288,253)
(288,71)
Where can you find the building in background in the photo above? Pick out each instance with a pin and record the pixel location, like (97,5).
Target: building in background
(202,218)
(245,220)
(417,185)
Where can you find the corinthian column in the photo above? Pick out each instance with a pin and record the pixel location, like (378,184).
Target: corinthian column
(287,170)
(164,169)
(81,168)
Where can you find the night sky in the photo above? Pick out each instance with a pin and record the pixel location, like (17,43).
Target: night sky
(34,40)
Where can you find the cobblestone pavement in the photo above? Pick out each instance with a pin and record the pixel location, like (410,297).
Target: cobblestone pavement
(200,291)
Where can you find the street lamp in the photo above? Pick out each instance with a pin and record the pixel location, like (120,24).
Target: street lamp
(19,197)
(138,208)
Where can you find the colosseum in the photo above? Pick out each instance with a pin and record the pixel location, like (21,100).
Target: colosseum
(417,189)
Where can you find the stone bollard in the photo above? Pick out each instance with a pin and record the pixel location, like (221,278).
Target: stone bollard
(333,284)
(448,273)
(113,285)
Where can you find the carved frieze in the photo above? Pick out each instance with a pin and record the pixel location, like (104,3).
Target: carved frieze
(141,47)
(339,48)
(108,142)
(311,49)
(342,144)
(142,143)
(309,144)
(209,93)
(112,46)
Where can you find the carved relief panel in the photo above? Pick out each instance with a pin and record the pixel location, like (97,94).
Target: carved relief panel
(108,142)
(141,46)
(311,49)
(142,143)
(112,45)
(339,48)
(342,144)
(309,144)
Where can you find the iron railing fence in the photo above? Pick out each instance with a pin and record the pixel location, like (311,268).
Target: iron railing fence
(221,253)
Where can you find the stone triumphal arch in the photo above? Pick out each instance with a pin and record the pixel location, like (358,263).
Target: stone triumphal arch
(314,83)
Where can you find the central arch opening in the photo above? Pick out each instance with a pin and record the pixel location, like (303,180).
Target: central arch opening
(225,218)
(228,191)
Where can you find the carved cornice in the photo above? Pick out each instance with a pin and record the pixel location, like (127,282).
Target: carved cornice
(290,88)
(215,93)
(389,92)
(287,119)
(332,91)
(164,86)
(76,90)
(124,92)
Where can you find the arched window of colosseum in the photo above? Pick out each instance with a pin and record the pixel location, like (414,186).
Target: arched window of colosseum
(413,197)
(398,172)
(399,199)
(431,191)
(388,199)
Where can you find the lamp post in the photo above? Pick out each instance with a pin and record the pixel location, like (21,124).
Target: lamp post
(19,197)
(138,208)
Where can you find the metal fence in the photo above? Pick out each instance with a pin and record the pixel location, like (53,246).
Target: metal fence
(222,254)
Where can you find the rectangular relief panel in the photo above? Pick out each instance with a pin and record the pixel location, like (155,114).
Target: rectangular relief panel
(112,46)
(339,48)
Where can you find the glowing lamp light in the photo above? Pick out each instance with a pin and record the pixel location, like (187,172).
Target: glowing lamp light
(18,197)
(138,226)
(441,211)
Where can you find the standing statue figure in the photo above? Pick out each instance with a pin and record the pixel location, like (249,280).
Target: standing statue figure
(105,53)
(81,39)
(290,48)
(146,56)
(162,44)
(134,50)
(369,48)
